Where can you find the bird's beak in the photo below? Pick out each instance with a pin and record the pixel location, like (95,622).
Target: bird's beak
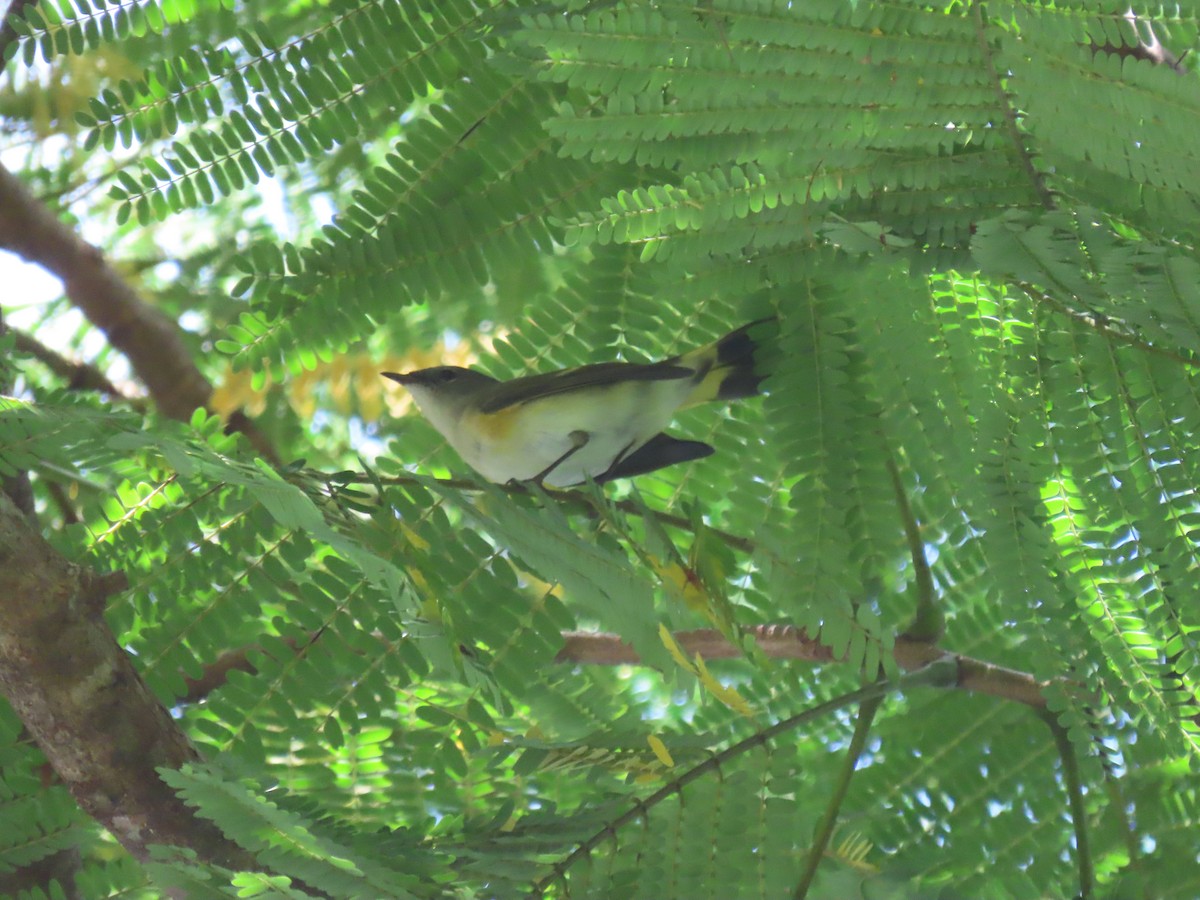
(400,379)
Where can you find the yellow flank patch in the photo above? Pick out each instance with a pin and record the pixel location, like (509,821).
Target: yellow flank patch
(495,426)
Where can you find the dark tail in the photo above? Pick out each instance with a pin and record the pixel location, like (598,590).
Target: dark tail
(725,369)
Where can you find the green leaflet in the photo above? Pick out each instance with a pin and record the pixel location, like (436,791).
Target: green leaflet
(602,581)
(284,839)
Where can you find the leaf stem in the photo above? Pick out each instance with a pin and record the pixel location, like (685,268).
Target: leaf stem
(675,786)
(928,624)
(933,675)
(1070,765)
(825,827)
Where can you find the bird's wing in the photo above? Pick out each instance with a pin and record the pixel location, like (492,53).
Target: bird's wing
(535,387)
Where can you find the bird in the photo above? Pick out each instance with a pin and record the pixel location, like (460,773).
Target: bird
(600,422)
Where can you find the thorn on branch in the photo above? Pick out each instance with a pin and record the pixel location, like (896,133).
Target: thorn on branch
(1148,48)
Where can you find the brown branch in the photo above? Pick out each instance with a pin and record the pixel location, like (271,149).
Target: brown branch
(775,641)
(8,34)
(216,673)
(79,376)
(149,339)
(78,694)
(63,501)
(789,642)
(34,879)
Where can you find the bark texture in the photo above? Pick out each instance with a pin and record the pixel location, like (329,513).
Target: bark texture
(78,694)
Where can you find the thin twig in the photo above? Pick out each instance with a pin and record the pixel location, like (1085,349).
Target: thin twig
(1100,325)
(1148,49)
(61,499)
(824,830)
(1070,767)
(216,674)
(744,545)
(1010,115)
(928,624)
(579,499)
(78,375)
(642,807)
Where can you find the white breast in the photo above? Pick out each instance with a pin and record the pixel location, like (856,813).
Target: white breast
(617,420)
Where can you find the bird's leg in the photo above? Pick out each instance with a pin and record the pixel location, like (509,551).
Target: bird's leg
(600,479)
(579,440)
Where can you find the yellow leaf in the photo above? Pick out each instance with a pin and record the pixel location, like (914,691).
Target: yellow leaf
(429,606)
(668,641)
(726,695)
(413,538)
(661,751)
(682,582)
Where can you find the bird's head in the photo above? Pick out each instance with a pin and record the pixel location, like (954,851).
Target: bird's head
(443,392)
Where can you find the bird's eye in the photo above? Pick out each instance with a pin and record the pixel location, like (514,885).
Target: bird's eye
(446,374)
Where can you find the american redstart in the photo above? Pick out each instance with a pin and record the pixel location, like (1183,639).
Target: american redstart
(601,421)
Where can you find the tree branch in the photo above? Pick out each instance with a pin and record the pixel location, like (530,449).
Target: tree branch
(63,865)
(576,498)
(78,375)
(62,500)
(824,830)
(216,673)
(149,339)
(641,808)
(78,694)
(8,34)
(1074,786)
(142,333)
(19,489)
(789,642)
